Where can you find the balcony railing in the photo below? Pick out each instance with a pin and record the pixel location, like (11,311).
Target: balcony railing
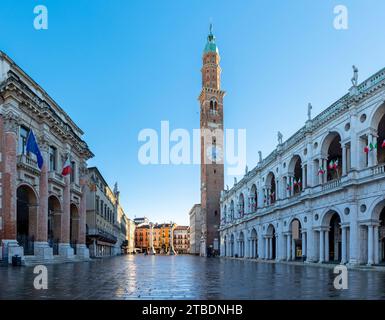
(75,187)
(54,176)
(380,169)
(331,184)
(27,162)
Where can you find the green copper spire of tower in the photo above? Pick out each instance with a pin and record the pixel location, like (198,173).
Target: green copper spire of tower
(211,45)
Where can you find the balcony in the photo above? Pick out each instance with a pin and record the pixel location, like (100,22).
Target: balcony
(380,169)
(27,163)
(331,184)
(102,235)
(76,188)
(55,177)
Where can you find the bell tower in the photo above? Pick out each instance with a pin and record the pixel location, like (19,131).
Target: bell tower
(212,152)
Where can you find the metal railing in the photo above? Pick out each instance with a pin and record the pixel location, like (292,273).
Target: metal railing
(331,184)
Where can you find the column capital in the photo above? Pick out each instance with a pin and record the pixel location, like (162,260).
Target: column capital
(11,122)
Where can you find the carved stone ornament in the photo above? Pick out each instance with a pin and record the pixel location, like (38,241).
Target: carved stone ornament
(11,122)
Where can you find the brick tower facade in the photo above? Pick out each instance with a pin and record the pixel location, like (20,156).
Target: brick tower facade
(211,125)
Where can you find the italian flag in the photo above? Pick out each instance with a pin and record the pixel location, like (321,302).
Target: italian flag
(331,165)
(299,182)
(295,182)
(66,167)
(383,144)
(372,146)
(321,171)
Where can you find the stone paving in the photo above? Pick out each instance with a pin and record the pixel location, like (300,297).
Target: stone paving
(187,277)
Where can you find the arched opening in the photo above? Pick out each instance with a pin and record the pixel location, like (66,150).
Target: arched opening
(332,237)
(232,246)
(241,205)
(26,223)
(254,244)
(74,227)
(295,170)
(296,233)
(270,245)
(241,245)
(232,210)
(54,223)
(270,196)
(253,199)
(332,148)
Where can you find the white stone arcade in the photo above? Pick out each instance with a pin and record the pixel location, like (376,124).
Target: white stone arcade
(319,196)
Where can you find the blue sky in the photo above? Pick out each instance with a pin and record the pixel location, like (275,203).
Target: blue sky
(119,66)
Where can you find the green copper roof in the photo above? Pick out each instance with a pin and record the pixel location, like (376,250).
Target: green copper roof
(211,45)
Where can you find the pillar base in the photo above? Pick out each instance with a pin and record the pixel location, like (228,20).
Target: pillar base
(82,251)
(11,248)
(353,262)
(65,250)
(152,251)
(43,250)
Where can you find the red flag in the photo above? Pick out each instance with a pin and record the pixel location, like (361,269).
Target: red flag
(67,169)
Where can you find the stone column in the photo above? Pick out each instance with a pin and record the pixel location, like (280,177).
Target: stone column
(270,247)
(41,247)
(343,245)
(344,160)
(9,243)
(81,248)
(370,155)
(376,249)
(325,167)
(304,247)
(353,237)
(370,245)
(321,246)
(374,152)
(288,244)
(65,249)
(303,180)
(326,246)
(277,251)
(266,248)
(292,248)
(320,176)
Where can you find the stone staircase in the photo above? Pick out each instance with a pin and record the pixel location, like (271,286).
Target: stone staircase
(34,260)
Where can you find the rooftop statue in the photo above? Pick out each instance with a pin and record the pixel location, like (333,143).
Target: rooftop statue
(355,76)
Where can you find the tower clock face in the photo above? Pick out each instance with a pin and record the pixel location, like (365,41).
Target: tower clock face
(214,153)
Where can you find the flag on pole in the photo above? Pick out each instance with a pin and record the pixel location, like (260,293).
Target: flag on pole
(383,144)
(321,171)
(335,165)
(366,149)
(33,147)
(66,167)
(299,182)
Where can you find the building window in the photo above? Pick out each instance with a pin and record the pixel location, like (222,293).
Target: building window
(73,171)
(52,158)
(23,135)
(97,204)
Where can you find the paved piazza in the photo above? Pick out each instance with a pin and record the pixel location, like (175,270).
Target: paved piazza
(187,277)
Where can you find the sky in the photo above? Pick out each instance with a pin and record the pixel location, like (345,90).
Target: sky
(118,67)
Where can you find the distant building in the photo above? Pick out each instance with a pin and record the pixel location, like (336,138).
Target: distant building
(142,233)
(108,227)
(142,220)
(182,239)
(195,229)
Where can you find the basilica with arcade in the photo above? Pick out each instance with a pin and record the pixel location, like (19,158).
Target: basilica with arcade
(319,197)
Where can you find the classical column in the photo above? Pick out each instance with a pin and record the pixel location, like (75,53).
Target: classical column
(344,159)
(270,247)
(326,246)
(376,249)
(266,248)
(320,176)
(303,180)
(321,246)
(41,247)
(288,244)
(292,248)
(374,153)
(81,248)
(65,249)
(277,251)
(370,245)
(304,248)
(326,169)
(9,243)
(370,155)
(343,245)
